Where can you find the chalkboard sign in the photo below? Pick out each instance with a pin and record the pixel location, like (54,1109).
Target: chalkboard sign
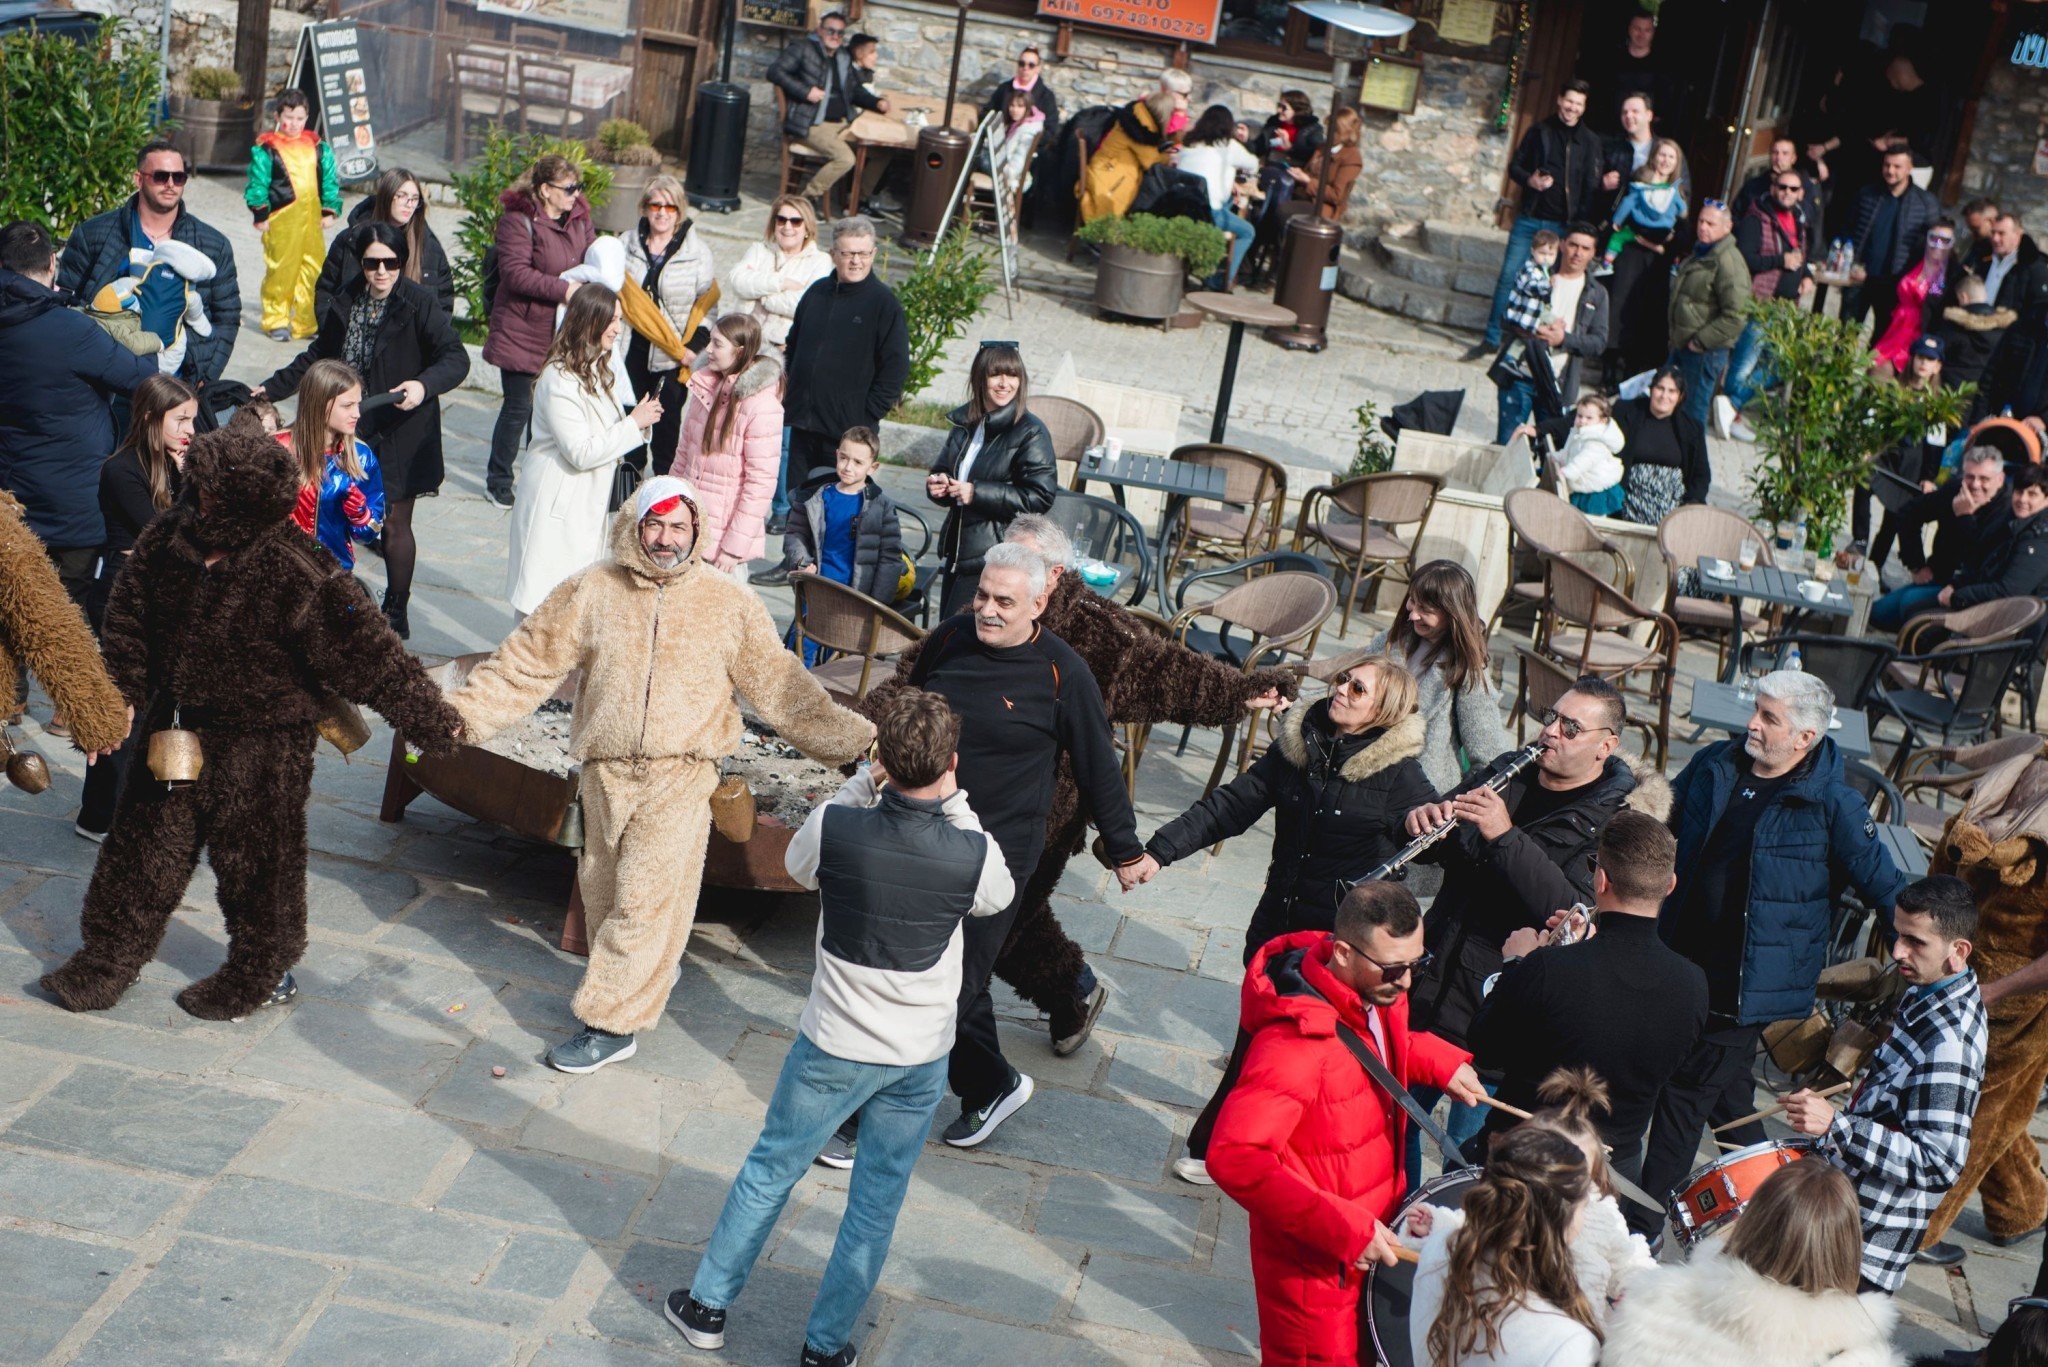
(329,67)
(776,13)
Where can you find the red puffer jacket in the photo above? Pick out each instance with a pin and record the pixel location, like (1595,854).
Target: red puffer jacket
(1311,1147)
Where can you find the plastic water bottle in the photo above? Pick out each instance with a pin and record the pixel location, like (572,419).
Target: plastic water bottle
(1792,661)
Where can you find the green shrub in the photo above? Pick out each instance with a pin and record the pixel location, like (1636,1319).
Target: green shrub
(501,161)
(213,83)
(640,154)
(1375,453)
(614,136)
(940,298)
(71,119)
(1202,246)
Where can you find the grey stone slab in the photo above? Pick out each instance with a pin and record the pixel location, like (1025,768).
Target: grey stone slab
(45,1286)
(1069,1130)
(161,1123)
(22,1073)
(924,1334)
(370,1055)
(1196,899)
(1171,1008)
(429,1296)
(950,1180)
(560,1350)
(1223,956)
(426,988)
(686,1204)
(206,1303)
(355,1336)
(1167,1303)
(537,1265)
(1090,925)
(1105,1215)
(332,1225)
(375,1151)
(691,1048)
(536,1189)
(44,922)
(1161,1072)
(44,1025)
(474,930)
(97,1199)
(469,1091)
(764,1326)
(40,842)
(1163,944)
(338,830)
(613,1117)
(1232,1256)
(351,899)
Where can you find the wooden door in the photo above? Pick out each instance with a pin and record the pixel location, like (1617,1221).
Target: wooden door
(678,51)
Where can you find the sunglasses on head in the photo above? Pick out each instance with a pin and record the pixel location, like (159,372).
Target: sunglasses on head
(992,342)
(169,177)
(1720,204)
(380,263)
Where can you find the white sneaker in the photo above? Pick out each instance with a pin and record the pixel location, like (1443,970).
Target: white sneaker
(96,837)
(1742,431)
(1193,1170)
(1724,416)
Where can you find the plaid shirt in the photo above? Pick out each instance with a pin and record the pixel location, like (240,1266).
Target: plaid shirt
(1528,300)
(1904,1137)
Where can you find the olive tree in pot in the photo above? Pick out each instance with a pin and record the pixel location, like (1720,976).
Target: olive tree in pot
(215,122)
(1146,259)
(624,146)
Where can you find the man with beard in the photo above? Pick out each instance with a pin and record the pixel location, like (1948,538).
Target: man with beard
(1767,833)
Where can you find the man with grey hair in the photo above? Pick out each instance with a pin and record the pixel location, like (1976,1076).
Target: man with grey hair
(1768,835)
(844,363)
(1971,518)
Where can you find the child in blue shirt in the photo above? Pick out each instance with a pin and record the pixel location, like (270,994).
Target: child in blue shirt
(845,528)
(1653,202)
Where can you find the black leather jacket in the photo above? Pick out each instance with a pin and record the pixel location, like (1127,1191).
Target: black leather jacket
(804,64)
(1014,473)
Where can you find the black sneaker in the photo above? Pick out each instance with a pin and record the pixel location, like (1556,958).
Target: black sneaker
(1069,1034)
(838,1151)
(701,1326)
(773,577)
(1477,350)
(589,1050)
(845,1357)
(287,988)
(778,523)
(498,498)
(977,1125)
(1941,1255)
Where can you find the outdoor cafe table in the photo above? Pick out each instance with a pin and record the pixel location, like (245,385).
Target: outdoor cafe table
(1767,584)
(890,133)
(1905,848)
(1722,707)
(1177,479)
(1236,310)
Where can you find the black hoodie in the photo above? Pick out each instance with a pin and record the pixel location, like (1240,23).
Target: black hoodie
(847,356)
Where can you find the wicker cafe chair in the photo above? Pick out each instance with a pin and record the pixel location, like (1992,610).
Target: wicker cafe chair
(1851,666)
(856,631)
(1547,525)
(1586,628)
(1946,771)
(1544,681)
(1930,635)
(1686,534)
(1972,683)
(1243,522)
(1133,737)
(1357,520)
(1074,427)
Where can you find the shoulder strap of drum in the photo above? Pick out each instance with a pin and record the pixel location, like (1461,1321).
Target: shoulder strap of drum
(1377,1071)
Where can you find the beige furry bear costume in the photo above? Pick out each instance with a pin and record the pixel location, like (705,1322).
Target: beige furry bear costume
(662,651)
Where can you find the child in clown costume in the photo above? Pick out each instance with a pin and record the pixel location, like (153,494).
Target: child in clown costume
(293,193)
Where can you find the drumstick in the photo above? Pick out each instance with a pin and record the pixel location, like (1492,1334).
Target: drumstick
(1403,1253)
(1516,1111)
(1769,1111)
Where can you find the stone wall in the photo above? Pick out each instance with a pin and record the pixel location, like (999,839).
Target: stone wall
(2012,116)
(203,31)
(1442,159)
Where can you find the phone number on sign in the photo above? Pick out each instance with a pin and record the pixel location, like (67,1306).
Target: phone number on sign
(1146,16)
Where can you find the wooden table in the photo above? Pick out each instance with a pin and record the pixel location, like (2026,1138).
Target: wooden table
(1767,584)
(1238,310)
(889,133)
(1722,707)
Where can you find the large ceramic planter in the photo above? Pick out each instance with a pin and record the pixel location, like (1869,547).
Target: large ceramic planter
(1138,284)
(214,134)
(621,213)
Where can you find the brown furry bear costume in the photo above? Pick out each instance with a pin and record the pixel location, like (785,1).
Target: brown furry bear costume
(1998,844)
(42,629)
(229,621)
(1144,679)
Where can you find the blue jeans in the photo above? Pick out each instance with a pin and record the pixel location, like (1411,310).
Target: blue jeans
(1514,405)
(1702,372)
(815,1092)
(1901,605)
(1465,1121)
(779,505)
(1241,234)
(1511,266)
(1748,376)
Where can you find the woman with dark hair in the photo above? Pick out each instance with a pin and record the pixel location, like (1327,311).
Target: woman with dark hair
(731,448)
(1291,133)
(998,462)
(1441,638)
(1332,194)
(560,521)
(1664,452)
(543,230)
(400,201)
(399,339)
(1212,151)
(1923,294)
(1030,82)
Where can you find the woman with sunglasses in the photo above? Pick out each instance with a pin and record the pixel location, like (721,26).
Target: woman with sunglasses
(1340,779)
(1923,295)
(773,275)
(1029,81)
(673,265)
(397,337)
(398,200)
(544,229)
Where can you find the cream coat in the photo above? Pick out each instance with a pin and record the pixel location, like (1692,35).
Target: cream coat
(770,284)
(687,274)
(1716,1312)
(565,481)
(736,482)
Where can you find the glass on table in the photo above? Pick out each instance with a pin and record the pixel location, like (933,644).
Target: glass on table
(1852,570)
(1746,554)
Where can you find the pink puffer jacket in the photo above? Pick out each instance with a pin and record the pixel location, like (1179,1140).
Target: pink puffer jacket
(736,483)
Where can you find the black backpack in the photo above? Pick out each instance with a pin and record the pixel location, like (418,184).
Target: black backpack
(491,270)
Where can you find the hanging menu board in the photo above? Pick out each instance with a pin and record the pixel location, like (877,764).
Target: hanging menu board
(1188,21)
(329,67)
(790,14)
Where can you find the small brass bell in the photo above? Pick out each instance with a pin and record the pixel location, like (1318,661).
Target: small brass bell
(174,756)
(732,809)
(26,769)
(342,726)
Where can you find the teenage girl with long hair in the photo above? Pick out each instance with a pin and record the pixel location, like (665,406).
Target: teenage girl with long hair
(341,490)
(731,447)
(1441,638)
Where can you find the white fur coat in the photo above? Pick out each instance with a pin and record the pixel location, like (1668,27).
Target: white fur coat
(1591,460)
(1716,1312)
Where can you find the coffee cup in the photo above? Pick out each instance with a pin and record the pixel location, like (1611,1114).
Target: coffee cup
(1812,590)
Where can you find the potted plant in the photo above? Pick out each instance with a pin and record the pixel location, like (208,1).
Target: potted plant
(624,146)
(214,121)
(1828,417)
(1145,260)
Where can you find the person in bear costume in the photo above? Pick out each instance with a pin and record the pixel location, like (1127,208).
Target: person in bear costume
(43,631)
(1998,844)
(230,622)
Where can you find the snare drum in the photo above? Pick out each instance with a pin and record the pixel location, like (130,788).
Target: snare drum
(1716,1194)
(1383,1302)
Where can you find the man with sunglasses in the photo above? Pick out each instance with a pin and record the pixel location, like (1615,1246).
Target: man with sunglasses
(1776,236)
(1768,834)
(824,93)
(100,249)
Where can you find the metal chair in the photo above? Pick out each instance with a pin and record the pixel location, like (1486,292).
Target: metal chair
(482,86)
(1586,626)
(1243,522)
(1971,683)
(796,158)
(1134,736)
(1852,667)
(1543,682)
(853,627)
(1948,771)
(1686,534)
(1073,426)
(545,90)
(918,532)
(1101,530)
(1932,634)
(1357,519)
(1546,525)
(1878,792)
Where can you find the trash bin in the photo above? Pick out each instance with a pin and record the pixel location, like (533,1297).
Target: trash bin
(1307,278)
(718,144)
(934,170)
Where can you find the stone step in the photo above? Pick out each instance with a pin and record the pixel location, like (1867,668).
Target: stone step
(1369,282)
(1474,246)
(1437,272)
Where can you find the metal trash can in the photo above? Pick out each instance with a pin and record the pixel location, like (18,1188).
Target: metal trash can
(718,144)
(934,170)
(1307,275)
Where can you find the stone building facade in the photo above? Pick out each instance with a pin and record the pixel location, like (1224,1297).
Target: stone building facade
(2012,120)
(203,31)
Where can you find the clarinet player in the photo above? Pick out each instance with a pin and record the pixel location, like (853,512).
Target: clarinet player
(1515,857)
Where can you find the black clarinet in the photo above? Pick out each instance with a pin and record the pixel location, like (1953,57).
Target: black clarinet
(1516,763)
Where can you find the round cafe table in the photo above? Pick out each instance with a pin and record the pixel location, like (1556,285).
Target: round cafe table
(1238,310)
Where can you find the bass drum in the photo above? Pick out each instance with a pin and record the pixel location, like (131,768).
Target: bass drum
(1383,1303)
